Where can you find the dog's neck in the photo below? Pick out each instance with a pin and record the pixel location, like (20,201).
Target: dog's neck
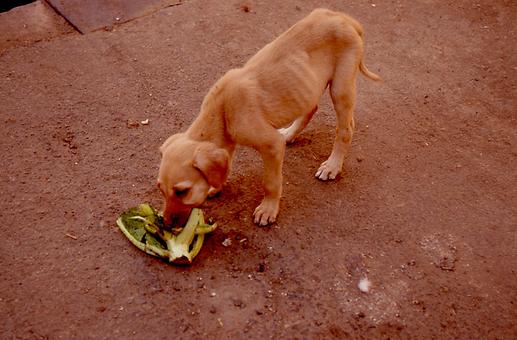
(210,125)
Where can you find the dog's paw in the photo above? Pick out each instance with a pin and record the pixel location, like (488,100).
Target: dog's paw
(328,170)
(266,212)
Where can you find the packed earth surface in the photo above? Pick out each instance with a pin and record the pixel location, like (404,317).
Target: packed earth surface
(425,208)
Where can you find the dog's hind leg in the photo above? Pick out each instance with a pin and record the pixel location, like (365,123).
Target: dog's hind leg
(291,132)
(343,93)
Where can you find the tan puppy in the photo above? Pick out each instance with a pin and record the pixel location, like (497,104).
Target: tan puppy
(265,103)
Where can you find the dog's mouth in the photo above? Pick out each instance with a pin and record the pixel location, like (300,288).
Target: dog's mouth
(177,220)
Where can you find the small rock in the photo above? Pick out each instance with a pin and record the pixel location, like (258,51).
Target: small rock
(145,122)
(239,303)
(227,242)
(364,285)
(446,263)
(131,124)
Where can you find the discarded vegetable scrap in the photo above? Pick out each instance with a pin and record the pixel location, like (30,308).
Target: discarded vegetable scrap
(143,226)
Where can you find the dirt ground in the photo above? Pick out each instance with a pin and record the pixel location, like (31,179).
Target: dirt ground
(425,208)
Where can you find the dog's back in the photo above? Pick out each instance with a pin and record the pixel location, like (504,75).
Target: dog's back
(321,30)
(287,77)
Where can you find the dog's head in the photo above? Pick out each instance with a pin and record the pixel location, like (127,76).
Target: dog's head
(187,171)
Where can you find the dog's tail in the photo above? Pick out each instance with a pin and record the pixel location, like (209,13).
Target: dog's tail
(366,72)
(362,67)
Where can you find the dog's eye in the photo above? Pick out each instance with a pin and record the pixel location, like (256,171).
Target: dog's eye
(181,192)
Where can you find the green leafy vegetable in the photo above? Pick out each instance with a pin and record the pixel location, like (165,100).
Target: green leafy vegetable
(143,226)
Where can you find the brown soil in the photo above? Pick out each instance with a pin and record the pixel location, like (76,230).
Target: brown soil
(426,207)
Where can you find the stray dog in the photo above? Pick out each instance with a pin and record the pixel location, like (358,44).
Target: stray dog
(263,105)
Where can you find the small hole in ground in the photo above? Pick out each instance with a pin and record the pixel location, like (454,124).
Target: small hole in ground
(6,5)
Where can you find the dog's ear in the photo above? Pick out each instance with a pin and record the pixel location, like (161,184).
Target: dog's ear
(213,162)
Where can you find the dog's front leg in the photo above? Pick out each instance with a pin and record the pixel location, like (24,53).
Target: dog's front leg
(272,152)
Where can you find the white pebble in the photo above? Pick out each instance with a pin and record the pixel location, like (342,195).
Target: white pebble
(364,285)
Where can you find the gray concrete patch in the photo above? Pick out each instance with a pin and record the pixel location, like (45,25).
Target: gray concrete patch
(30,23)
(91,15)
